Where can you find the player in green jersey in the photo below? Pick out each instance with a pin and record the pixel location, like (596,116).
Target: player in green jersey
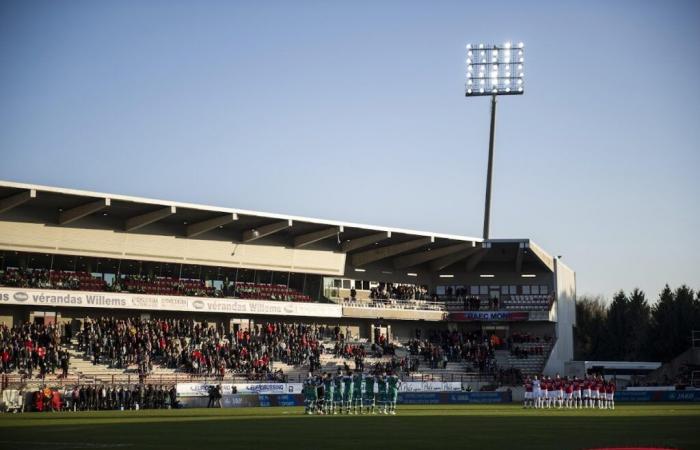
(381,392)
(369,393)
(328,393)
(309,391)
(347,391)
(338,396)
(358,384)
(318,394)
(393,382)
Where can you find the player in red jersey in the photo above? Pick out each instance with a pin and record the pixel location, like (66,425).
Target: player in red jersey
(551,395)
(559,391)
(577,387)
(568,393)
(587,392)
(610,394)
(599,392)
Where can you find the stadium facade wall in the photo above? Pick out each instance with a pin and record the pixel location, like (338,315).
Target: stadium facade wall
(26,234)
(565,288)
(393,314)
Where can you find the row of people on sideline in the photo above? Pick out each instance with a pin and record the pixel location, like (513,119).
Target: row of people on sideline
(572,393)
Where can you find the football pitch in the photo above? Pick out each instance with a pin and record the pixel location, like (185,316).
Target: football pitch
(415,427)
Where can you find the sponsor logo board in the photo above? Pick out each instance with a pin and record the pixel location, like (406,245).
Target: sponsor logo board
(82,299)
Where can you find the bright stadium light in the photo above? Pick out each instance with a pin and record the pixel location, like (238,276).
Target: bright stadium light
(501,63)
(499,69)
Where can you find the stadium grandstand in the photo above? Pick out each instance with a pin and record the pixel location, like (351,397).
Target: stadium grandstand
(118,289)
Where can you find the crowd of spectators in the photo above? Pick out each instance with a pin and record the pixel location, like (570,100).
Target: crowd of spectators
(33,350)
(355,352)
(523,345)
(442,346)
(151,284)
(400,366)
(146,284)
(197,348)
(392,291)
(471,302)
(51,279)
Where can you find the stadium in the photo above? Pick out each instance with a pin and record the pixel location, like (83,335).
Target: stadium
(148,302)
(148,306)
(234,269)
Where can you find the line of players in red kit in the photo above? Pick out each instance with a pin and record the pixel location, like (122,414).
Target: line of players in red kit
(589,392)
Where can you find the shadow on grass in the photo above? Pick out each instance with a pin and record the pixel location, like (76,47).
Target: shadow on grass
(173,432)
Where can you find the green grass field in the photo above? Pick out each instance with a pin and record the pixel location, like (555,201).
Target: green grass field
(415,427)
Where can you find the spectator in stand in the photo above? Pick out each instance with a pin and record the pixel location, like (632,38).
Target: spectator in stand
(443,346)
(146,284)
(197,348)
(30,348)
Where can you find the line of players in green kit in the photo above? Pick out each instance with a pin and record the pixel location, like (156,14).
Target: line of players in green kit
(351,393)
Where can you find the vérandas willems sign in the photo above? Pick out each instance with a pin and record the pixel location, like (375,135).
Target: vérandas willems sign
(494,316)
(118,300)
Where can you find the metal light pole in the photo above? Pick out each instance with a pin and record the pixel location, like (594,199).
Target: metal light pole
(489,170)
(493,70)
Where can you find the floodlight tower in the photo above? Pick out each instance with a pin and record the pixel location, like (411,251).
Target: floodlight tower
(494,70)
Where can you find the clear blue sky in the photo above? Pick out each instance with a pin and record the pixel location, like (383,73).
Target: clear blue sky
(355,111)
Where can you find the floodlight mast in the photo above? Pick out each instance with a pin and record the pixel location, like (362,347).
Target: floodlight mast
(505,78)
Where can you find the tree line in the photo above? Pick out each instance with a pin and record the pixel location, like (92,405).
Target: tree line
(631,329)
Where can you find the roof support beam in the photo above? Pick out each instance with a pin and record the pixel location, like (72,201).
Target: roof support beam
(476,258)
(414,259)
(448,260)
(73,214)
(12,201)
(377,254)
(195,229)
(265,230)
(136,222)
(315,236)
(519,258)
(364,241)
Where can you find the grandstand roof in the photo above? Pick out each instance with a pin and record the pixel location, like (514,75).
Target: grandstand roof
(364,244)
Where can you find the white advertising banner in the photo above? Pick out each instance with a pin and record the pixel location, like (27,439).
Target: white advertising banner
(430,386)
(120,300)
(202,389)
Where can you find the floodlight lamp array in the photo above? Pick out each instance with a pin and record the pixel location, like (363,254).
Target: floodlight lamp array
(495,69)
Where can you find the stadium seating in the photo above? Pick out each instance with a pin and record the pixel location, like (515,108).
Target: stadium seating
(84,281)
(507,303)
(53,279)
(530,364)
(527,303)
(269,292)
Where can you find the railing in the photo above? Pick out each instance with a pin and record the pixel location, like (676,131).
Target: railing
(416,305)
(14,380)
(504,303)
(468,377)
